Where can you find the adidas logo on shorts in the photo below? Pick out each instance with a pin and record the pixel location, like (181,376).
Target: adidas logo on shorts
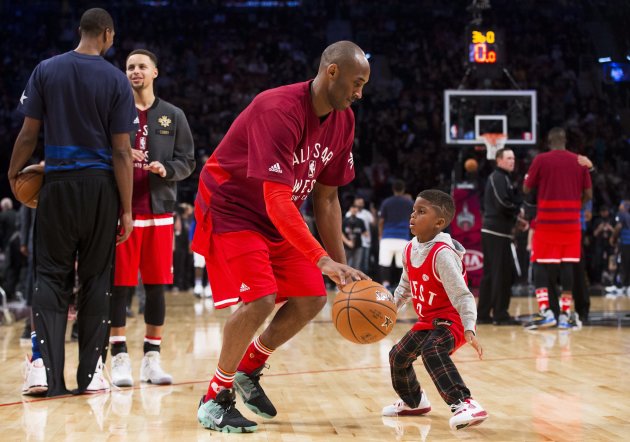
(275,168)
(244,288)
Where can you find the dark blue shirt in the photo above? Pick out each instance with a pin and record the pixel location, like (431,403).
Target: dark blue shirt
(82,99)
(395,212)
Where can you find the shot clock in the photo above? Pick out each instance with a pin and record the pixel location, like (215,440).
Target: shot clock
(484,47)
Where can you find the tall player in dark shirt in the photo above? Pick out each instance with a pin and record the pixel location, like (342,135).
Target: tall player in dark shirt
(86,107)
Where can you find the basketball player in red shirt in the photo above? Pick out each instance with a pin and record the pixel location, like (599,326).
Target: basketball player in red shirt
(434,277)
(289,142)
(563,185)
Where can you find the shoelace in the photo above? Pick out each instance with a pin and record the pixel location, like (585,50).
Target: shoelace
(455,408)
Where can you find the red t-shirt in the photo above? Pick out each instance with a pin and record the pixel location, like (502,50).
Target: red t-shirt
(560,181)
(279,138)
(141,198)
(430,300)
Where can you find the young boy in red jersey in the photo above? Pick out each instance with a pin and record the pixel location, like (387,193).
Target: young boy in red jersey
(434,277)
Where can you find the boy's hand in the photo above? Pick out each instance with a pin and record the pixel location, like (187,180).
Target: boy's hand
(472,340)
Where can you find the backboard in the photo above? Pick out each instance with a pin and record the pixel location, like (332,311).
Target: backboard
(470,113)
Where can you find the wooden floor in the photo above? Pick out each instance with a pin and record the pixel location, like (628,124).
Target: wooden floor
(545,385)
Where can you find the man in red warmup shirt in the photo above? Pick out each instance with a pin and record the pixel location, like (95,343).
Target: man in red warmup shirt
(563,185)
(290,141)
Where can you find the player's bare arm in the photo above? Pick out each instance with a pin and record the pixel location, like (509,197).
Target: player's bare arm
(23,149)
(123,172)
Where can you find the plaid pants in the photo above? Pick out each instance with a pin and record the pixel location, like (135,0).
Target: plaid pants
(435,347)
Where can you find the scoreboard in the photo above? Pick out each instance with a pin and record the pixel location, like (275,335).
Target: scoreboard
(485,46)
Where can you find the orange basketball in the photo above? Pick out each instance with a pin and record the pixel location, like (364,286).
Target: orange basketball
(364,312)
(471,165)
(28,183)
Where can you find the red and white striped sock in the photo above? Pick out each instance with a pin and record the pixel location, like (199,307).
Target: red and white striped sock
(222,380)
(542,296)
(255,356)
(152,343)
(566,299)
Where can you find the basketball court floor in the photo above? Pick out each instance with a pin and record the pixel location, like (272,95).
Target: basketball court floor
(542,385)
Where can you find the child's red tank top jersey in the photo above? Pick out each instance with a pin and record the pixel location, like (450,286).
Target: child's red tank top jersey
(430,300)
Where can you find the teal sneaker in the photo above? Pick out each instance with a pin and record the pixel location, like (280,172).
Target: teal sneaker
(254,397)
(221,415)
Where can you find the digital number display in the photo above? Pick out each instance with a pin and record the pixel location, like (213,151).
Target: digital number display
(483,47)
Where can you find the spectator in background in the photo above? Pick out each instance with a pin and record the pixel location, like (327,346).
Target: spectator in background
(353,232)
(8,222)
(601,249)
(502,205)
(393,233)
(366,240)
(9,245)
(621,239)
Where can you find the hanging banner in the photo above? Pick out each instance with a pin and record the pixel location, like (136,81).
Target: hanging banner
(466,228)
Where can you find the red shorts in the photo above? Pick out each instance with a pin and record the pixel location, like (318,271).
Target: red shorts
(554,247)
(149,250)
(245,266)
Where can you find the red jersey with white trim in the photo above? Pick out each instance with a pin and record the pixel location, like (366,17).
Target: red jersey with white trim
(430,300)
(560,181)
(141,197)
(279,138)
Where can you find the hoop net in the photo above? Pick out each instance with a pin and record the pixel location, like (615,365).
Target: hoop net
(493,142)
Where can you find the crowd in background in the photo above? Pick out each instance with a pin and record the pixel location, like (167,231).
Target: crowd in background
(214,59)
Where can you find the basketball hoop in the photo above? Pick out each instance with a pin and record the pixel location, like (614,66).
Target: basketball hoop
(493,142)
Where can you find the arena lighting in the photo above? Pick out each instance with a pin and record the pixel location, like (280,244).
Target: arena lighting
(628,57)
(604,59)
(368,55)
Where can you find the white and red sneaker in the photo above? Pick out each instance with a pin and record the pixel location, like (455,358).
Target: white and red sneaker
(35,382)
(467,413)
(400,408)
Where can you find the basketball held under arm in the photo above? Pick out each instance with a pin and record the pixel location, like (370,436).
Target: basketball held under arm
(287,219)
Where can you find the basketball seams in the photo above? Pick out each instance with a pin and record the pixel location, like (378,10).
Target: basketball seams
(357,311)
(367,319)
(374,301)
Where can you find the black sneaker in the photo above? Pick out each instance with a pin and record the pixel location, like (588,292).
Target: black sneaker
(221,415)
(254,397)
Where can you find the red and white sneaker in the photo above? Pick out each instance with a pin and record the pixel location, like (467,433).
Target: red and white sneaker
(400,408)
(467,413)
(35,382)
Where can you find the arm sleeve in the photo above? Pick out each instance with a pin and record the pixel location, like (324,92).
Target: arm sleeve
(449,267)
(272,137)
(31,102)
(123,111)
(287,219)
